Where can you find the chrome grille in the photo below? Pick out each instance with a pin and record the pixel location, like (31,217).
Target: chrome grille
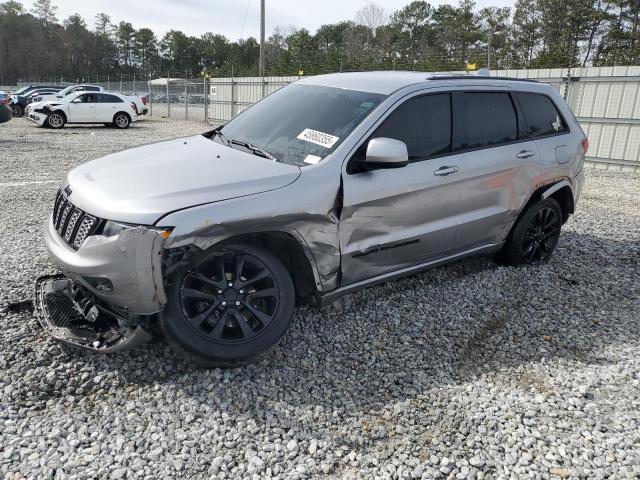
(86,226)
(71,223)
(61,227)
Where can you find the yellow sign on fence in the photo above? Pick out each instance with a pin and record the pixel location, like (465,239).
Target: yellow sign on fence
(471,66)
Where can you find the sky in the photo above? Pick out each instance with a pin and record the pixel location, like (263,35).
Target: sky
(227,17)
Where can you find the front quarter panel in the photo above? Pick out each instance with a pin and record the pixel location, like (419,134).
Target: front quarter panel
(305,209)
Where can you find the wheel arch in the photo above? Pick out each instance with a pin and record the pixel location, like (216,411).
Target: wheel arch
(560,191)
(289,247)
(291,250)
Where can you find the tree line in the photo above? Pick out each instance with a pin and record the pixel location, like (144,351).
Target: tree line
(532,34)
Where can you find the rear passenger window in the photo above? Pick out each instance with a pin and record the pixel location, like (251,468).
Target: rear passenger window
(106,98)
(484,119)
(541,115)
(423,123)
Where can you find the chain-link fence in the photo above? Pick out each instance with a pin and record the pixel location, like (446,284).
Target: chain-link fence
(174,95)
(606,101)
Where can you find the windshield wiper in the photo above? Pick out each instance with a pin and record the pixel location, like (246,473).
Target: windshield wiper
(255,150)
(252,148)
(221,135)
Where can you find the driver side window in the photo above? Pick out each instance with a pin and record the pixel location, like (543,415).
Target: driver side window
(423,124)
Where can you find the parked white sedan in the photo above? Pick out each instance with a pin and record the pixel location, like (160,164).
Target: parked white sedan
(86,107)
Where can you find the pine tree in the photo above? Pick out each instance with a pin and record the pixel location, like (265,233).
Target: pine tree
(44,11)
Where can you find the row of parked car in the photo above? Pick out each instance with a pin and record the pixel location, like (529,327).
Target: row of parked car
(54,106)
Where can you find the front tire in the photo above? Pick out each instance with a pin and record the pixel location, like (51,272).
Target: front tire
(228,306)
(55,120)
(121,120)
(535,234)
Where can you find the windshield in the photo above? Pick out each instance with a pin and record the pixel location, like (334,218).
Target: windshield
(301,124)
(20,90)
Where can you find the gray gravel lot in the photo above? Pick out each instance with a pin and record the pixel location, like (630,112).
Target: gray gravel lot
(467,371)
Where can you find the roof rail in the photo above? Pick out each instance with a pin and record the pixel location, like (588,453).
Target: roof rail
(464,76)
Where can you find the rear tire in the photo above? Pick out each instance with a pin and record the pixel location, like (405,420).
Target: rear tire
(55,120)
(17,110)
(534,236)
(121,120)
(228,306)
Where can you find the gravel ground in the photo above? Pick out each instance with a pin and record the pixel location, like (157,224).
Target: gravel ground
(467,371)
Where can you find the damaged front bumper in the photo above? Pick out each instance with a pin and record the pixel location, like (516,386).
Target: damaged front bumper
(123,270)
(67,313)
(36,117)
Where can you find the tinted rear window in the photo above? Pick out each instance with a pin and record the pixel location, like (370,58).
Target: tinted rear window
(541,115)
(484,119)
(423,123)
(106,98)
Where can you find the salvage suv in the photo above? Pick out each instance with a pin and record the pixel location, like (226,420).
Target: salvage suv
(329,185)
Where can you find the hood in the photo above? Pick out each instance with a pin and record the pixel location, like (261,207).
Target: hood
(51,103)
(142,184)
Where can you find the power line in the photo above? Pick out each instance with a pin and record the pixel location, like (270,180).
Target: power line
(244,22)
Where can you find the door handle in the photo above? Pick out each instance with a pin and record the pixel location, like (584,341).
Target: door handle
(525,154)
(444,171)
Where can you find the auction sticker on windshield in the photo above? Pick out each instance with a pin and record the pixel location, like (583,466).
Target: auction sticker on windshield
(319,138)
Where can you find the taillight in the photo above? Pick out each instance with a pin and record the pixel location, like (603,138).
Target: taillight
(585,144)
(144,100)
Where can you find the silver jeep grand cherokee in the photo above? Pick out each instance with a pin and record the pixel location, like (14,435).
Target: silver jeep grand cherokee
(329,185)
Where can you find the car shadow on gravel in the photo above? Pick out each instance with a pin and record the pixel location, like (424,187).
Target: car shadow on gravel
(394,342)
(437,329)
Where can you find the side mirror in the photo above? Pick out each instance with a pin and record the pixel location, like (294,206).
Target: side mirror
(386,153)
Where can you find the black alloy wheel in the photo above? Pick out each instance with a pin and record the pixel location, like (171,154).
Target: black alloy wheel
(230,297)
(535,235)
(541,236)
(229,306)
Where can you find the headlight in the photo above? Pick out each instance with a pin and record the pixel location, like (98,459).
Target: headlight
(112,229)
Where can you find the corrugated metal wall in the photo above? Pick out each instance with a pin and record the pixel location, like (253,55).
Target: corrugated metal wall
(606,101)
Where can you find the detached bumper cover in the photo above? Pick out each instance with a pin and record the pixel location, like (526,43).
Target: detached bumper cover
(68,315)
(37,118)
(130,261)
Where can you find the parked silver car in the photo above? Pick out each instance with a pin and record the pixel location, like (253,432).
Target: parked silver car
(329,185)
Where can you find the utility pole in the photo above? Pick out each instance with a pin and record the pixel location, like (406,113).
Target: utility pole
(489,50)
(262,52)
